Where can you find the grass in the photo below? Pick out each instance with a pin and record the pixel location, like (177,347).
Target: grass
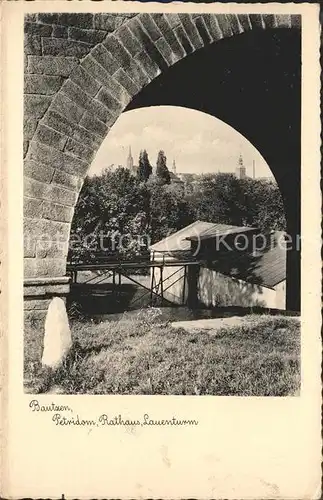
(143,355)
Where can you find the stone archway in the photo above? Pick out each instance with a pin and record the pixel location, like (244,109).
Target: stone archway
(81,72)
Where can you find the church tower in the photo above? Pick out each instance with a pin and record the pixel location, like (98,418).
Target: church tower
(241,169)
(130,161)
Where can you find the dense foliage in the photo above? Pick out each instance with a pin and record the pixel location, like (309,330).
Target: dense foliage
(122,213)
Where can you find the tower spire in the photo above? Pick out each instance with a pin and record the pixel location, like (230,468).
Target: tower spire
(130,160)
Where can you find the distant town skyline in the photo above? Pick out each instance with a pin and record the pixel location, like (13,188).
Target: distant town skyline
(198,142)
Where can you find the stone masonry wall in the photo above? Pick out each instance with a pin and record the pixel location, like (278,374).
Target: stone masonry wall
(81,71)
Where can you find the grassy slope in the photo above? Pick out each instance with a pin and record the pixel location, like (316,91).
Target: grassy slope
(259,358)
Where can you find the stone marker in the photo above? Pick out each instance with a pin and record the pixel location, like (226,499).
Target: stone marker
(57,338)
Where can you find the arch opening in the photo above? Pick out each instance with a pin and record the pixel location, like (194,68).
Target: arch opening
(245,87)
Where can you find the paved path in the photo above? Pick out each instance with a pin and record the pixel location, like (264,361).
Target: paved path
(210,324)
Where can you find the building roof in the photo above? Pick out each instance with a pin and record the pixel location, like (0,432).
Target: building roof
(267,268)
(216,230)
(271,266)
(180,240)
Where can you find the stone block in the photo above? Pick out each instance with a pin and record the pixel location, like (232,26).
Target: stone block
(166,51)
(79,150)
(40,153)
(30,18)
(51,65)
(50,137)
(61,195)
(48,18)
(117,50)
(32,45)
(183,38)
(244,20)
(295,20)
(76,19)
(63,125)
(256,21)
(85,81)
(77,95)
(56,212)
(44,267)
(149,66)
(42,84)
(203,31)
(29,247)
(67,108)
(30,125)
(35,106)
(47,230)
(212,25)
(42,287)
(38,29)
(147,22)
(64,47)
(139,32)
(35,189)
(69,181)
(32,207)
(100,74)
(224,25)
(51,249)
(269,21)
(173,20)
(91,124)
(128,40)
(126,82)
(234,23)
(60,31)
(39,172)
(283,20)
(164,27)
(107,22)
(191,31)
(105,59)
(91,37)
(110,102)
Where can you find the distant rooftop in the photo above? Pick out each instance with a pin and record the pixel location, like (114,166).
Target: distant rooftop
(181,240)
(267,268)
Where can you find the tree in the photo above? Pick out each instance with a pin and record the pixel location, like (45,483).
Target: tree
(162,171)
(144,169)
(110,216)
(224,198)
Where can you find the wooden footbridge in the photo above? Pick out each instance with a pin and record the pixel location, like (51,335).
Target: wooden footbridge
(118,269)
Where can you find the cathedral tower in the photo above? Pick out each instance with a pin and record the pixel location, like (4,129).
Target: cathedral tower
(130,161)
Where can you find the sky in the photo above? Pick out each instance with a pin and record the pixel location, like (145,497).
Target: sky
(198,142)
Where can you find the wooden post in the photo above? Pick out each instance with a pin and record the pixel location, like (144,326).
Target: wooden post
(152,284)
(161,284)
(192,284)
(184,286)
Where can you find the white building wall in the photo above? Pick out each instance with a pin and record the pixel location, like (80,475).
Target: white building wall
(281,295)
(216,290)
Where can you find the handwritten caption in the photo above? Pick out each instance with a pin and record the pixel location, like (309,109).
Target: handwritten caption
(64,415)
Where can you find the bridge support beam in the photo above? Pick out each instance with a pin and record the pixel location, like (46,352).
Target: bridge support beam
(38,293)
